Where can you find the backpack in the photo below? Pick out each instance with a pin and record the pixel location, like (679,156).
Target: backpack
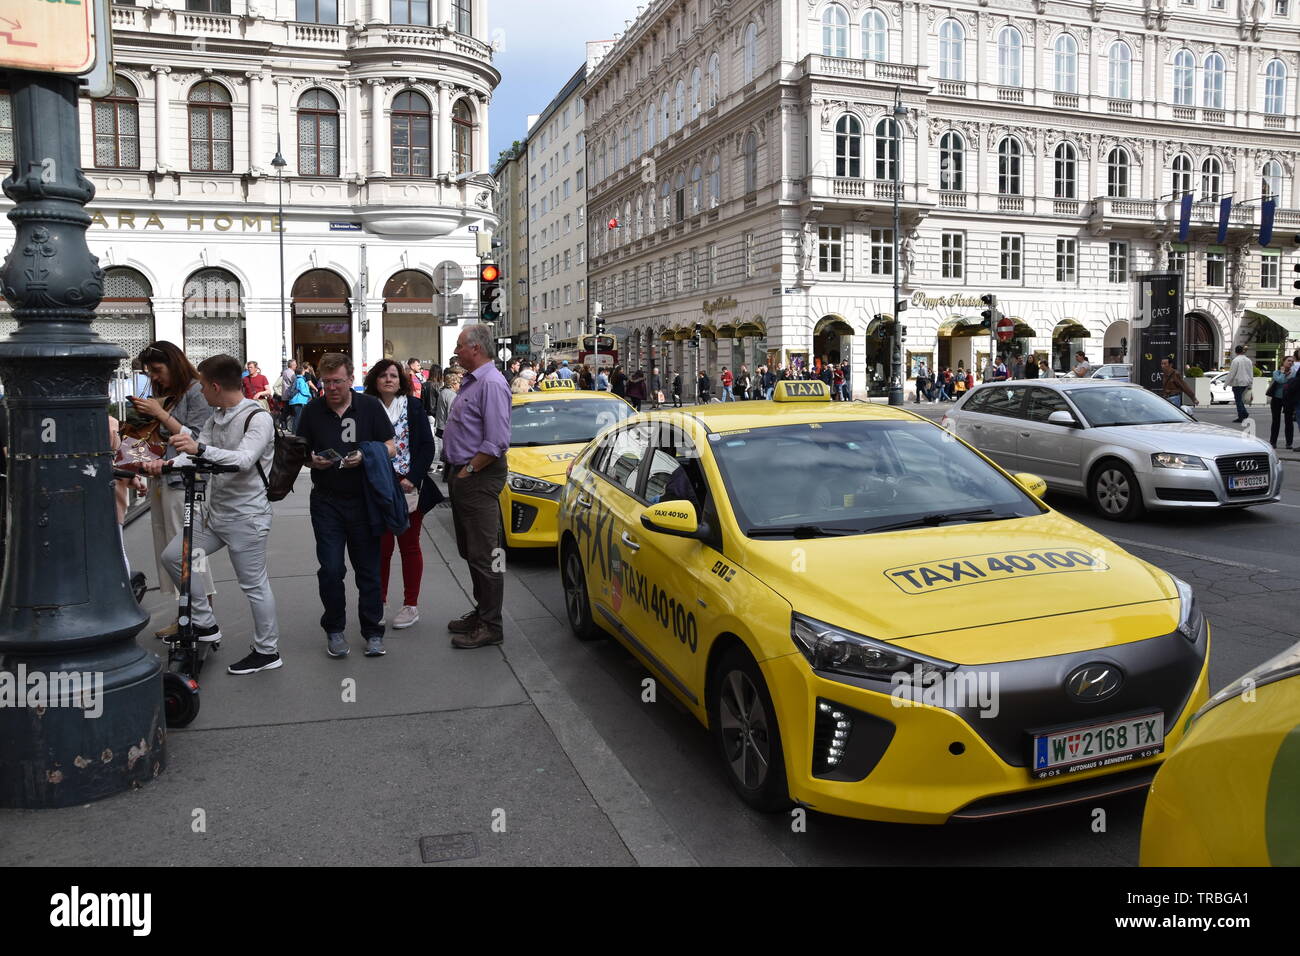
(288,458)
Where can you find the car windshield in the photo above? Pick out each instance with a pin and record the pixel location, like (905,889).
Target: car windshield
(563,422)
(1124,406)
(856,477)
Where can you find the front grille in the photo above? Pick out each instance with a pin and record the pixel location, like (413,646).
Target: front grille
(521,517)
(1185,494)
(1241,465)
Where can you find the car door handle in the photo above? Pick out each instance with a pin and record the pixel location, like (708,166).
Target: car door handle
(630,541)
(976,425)
(1025,434)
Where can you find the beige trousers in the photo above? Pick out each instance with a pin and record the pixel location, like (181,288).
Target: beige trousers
(167,514)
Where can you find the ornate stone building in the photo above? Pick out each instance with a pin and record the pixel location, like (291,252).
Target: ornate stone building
(380,109)
(751,153)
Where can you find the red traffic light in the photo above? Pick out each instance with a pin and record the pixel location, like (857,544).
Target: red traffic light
(489,273)
(613,224)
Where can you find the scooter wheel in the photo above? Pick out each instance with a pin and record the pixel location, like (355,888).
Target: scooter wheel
(180,699)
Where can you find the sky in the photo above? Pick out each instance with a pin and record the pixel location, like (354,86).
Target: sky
(540,45)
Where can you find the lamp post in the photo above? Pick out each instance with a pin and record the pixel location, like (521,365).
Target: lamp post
(279,164)
(896,353)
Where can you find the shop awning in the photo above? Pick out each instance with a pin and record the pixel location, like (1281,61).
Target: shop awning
(750,330)
(1070,330)
(962,326)
(1288,319)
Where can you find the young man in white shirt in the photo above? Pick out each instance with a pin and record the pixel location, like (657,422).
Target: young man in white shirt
(1241,374)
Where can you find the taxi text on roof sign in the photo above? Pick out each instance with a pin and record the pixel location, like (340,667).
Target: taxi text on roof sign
(561,384)
(801,392)
(48,36)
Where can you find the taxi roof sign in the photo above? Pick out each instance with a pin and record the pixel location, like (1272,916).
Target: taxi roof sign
(47,37)
(563,383)
(809,391)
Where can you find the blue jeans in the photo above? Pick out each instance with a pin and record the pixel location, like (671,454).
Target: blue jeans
(726,394)
(767,393)
(340,522)
(296,412)
(1176,399)
(1238,393)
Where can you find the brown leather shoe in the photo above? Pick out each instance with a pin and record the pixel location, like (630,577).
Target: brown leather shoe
(168,632)
(464,624)
(479,637)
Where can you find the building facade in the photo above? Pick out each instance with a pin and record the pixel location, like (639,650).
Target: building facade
(511,174)
(380,110)
(752,153)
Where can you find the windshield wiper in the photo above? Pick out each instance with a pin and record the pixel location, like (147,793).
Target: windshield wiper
(940,517)
(800,531)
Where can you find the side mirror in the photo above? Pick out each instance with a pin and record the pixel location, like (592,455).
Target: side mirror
(677,518)
(1032,483)
(1063,418)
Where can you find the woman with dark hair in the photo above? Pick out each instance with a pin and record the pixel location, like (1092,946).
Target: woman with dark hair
(636,389)
(389,382)
(177,405)
(618,382)
(313,380)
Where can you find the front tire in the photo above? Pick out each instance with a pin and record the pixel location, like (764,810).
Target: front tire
(1114,491)
(577,603)
(744,726)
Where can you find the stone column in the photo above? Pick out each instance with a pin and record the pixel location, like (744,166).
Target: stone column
(482,161)
(353,163)
(378,142)
(282,129)
(256,80)
(442,130)
(162,157)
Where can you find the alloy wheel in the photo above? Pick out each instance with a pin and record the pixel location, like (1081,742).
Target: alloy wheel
(744,726)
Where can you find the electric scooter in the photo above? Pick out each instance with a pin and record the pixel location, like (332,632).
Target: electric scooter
(185,653)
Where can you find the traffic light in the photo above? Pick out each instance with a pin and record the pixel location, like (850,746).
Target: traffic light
(1296,284)
(989,317)
(489,292)
(600,325)
(694,342)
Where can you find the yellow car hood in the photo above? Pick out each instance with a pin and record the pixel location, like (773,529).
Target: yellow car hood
(975,593)
(548,462)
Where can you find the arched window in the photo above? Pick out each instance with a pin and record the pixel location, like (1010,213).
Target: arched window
(695,93)
(887,150)
(318,134)
(1009,167)
(848,147)
(715,181)
(1117,173)
(1275,88)
(679,106)
(1181,172)
(751,53)
(411,128)
(952,162)
(1065,61)
(1211,179)
(600,162)
(650,211)
(649,128)
(1066,172)
(1121,70)
(211,129)
(1212,82)
(665,204)
(1009,45)
(1184,78)
(625,157)
(697,189)
(679,197)
(715,82)
(638,222)
(1271,180)
(875,36)
(462,138)
(750,152)
(117,128)
(636,141)
(952,51)
(835,31)
(665,117)
(212,311)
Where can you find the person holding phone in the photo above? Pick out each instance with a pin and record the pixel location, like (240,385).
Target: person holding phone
(335,426)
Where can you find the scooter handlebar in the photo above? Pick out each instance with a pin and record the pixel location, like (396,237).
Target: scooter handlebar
(200,466)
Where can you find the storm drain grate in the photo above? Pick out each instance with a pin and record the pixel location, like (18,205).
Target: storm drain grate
(448,846)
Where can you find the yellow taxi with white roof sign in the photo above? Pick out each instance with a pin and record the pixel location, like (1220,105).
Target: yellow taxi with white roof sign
(872,618)
(548,428)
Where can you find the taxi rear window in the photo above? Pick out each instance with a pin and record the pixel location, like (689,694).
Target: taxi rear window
(563,421)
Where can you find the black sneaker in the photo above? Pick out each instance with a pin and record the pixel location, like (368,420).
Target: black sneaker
(254,662)
(208,635)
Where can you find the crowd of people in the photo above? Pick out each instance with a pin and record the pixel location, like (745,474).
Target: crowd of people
(376,453)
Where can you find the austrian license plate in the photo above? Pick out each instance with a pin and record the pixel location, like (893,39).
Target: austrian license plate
(1242,482)
(1089,747)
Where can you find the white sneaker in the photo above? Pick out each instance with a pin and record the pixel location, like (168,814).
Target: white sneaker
(407,616)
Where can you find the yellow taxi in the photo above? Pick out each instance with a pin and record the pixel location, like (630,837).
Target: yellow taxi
(1229,795)
(872,618)
(548,428)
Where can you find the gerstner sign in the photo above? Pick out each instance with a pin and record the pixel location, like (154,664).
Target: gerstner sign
(48,37)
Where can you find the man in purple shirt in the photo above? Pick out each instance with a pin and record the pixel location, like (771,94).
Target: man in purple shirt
(474,444)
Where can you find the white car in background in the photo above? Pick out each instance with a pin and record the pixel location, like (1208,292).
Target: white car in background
(1220,390)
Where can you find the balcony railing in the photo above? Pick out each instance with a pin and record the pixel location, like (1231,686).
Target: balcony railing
(857,189)
(317,33)
(952,200)
(952,88)
(207,23)
(1068,101)
(127,18)
(1274,122)
(1124,107)
(1185,112)
(1213,116)
(1010,94)
(1011,204)
(1065,207)
(862,69)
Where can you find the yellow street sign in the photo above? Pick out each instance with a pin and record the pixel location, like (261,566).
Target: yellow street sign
(47,36)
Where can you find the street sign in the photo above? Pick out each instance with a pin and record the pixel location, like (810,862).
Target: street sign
(454,308)
(99,81)
(1006,329)
(447,276)
(503,354)
(47,37)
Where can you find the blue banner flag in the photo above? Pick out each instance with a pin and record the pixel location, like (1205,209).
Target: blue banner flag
(1266,221)
(1225,210)
(1185,217)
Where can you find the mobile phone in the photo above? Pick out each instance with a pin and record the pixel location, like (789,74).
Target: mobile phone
(329,454)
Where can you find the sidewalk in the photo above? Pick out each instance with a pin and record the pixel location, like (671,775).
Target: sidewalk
(481,750)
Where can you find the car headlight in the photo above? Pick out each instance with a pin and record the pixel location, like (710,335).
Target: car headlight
(1190,618)
(1166,459)
(531,486)
(834,649)
(1286,664)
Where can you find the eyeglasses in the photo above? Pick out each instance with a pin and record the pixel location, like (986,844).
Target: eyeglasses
(152,354)
(334,382)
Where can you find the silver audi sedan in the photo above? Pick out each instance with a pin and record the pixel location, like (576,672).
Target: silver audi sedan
(1119,445)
